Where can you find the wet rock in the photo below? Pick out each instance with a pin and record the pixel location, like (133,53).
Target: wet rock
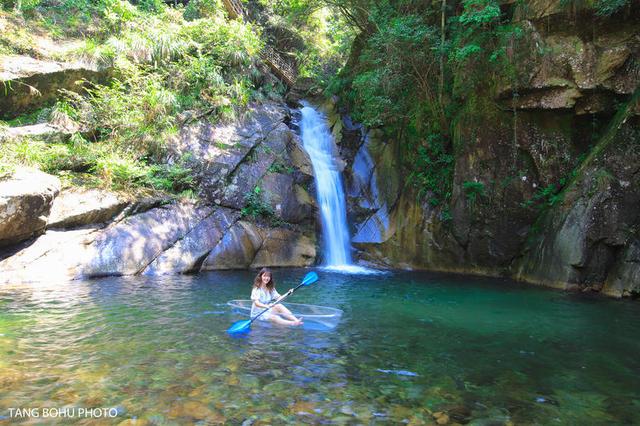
(580,239)
(624,278)
(25,202)
(78,207)
(190,409)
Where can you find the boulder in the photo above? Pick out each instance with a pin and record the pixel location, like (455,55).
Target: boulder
(284,247)
(78,207)
(247,245)
(56,255)
(33,83)
(25,202)
(236,249)
(187,253)
(42,131)
(127,247)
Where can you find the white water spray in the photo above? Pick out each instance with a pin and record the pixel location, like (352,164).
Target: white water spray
(318,143)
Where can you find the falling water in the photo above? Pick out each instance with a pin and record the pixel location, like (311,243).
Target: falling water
(318,143)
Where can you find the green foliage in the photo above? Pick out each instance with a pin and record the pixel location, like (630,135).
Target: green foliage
(197,9)
(255,207)
(176,178)
(473,190)
(432,171)
(609,7)
(479,13)
(279,167)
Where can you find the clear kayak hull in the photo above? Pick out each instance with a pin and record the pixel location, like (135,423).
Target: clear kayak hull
(314,317)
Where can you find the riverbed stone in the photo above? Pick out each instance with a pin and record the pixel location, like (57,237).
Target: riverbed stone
(76,207)
(25,202)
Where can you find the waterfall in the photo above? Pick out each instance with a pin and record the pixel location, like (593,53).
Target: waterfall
(318,143)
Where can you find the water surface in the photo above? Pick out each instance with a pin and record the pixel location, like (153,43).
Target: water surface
(409,344)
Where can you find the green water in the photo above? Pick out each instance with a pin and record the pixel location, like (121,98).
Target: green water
(485,352)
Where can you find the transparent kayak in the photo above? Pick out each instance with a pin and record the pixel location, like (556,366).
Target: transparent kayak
(314,317)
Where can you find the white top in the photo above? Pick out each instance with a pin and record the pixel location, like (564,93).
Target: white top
(263,296)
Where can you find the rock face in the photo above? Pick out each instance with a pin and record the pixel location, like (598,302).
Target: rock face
(257,161)
(188,252)
(25,202)
(127,247)
(255,211)
(247,245)
(545,193)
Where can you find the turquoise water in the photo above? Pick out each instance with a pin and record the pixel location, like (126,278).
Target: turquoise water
(409,346)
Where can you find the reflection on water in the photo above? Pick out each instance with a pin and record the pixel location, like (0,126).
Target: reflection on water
(408,345)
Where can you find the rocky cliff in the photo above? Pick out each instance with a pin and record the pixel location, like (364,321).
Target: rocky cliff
(254,210)
(546,183)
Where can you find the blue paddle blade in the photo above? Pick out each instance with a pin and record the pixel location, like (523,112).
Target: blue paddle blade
(310,278)
(239,327)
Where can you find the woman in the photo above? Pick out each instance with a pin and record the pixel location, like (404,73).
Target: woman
(264,295)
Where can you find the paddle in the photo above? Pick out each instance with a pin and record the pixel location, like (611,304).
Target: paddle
(245,325)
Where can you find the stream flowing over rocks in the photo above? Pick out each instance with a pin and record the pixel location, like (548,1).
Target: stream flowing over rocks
(48,233)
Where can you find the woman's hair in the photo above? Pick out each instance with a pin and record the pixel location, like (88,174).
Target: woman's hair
(257,282)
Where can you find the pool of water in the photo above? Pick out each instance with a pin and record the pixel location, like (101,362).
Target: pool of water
(409,345)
